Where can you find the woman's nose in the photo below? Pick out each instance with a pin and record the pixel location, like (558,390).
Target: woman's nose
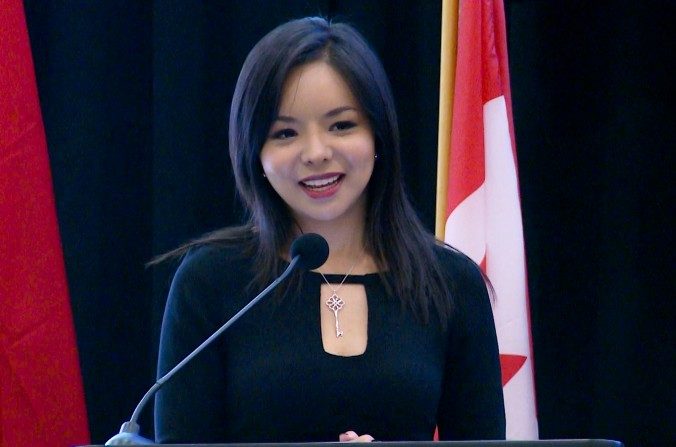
(316,149)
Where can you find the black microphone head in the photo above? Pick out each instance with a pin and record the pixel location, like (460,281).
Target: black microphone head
(312,249)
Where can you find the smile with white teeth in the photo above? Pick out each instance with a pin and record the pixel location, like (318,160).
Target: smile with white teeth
(321,183)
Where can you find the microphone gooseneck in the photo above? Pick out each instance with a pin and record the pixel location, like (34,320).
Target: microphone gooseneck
(308,252)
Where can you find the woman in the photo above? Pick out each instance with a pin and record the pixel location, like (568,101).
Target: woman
(390,338)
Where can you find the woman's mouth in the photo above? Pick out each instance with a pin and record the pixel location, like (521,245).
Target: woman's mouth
(322,187)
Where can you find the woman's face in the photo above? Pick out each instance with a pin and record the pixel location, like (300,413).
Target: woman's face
(319,154)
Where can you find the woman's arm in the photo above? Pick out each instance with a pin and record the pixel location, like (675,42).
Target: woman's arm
(189,408)
(472,405)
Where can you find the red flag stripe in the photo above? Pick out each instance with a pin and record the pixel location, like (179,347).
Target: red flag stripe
(41,397)
(467,112)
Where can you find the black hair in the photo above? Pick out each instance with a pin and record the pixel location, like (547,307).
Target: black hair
(402,248)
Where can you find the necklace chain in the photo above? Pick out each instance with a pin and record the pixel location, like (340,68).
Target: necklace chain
(335,303)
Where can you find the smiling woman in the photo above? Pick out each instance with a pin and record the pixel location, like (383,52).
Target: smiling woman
(320,152)
(390,338)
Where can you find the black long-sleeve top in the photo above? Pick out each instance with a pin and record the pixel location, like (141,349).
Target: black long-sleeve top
(268,379)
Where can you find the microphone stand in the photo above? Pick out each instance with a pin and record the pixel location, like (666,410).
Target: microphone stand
(129,432)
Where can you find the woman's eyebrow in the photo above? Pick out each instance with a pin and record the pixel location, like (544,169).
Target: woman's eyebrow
(285,119)
(330,114)
(338,110)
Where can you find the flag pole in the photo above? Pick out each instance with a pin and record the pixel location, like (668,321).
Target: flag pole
(449,43)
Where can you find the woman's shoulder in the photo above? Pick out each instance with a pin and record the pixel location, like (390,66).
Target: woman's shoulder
(455,262)
(213,264)
(468,284)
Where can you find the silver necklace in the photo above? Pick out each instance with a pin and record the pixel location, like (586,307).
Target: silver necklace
(335,303)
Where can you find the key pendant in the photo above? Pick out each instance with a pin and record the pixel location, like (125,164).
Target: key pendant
(335,304)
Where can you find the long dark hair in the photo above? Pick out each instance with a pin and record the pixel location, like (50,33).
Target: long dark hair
(395,237)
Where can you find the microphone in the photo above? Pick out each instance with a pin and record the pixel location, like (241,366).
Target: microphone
(312,249)
(308,252)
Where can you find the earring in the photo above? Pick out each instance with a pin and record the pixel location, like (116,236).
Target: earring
(375,156)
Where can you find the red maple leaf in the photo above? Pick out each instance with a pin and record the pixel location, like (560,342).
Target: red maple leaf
(510,364)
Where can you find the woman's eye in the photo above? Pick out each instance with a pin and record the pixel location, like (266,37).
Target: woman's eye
(343,125)
(283,134)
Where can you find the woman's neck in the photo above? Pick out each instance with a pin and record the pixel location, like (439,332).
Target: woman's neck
(346,246)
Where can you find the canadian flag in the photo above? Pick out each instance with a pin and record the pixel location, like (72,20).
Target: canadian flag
(41,397)
(478,206)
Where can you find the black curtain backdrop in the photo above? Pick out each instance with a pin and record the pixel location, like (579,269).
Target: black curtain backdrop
(135,98)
